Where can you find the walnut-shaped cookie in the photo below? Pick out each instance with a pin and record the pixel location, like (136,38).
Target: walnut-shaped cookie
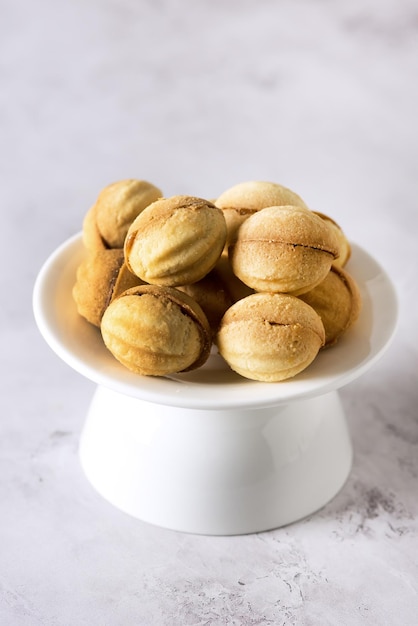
(244,199)
(107,221)
(284,249)
(175,241)
(100,277)
(155,331)
(343,242)
(337,301)
(91,236)
(270,336)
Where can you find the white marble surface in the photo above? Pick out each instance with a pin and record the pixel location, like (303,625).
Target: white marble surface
(320,96)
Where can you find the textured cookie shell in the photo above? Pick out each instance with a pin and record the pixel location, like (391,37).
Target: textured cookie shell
(156,331)
(100,277)
(256,195)
(118,205)
(283,249)
(244,199)
(175,241)
(92,238)
(343,242)
(270,337)
(337,301)
(217,291)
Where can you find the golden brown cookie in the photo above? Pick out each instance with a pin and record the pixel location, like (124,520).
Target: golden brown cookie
(217,291)
(337,301)
(92,239)
(100,278)
(118,205)
(242,200)
(343,242)
(270,337)
(233,285)
(284,249)
(156,331)
(175,241)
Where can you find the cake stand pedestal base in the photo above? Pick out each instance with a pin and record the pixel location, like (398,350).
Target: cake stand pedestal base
(216,472)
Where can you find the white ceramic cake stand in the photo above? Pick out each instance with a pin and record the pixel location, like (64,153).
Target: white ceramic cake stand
(208,451)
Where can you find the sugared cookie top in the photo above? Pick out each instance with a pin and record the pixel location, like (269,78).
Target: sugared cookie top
(270,336)
(244,199)
(283,249)
(256,195)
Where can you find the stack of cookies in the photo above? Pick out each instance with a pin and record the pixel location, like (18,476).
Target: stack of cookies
(255,272)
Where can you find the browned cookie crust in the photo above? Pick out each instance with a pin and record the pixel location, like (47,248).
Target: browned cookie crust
(244,199)
(270,337)
(175,241)
(116,207)
(343,242)
(283,249)
(100,277)
(217,291)
(156,331)
(337,301)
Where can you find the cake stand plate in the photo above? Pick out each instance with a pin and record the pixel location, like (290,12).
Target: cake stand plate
(208,451)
